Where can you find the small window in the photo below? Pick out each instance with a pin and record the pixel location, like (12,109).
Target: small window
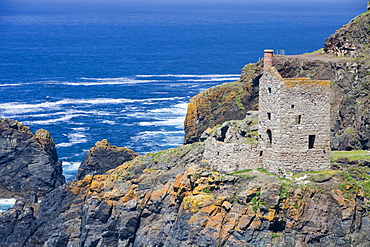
(261,153)
(298,119)
(269,133)
(311,141)
(269,115)
(292,106)
(269,89)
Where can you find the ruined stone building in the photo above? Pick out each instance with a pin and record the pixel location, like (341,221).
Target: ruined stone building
(294,121)
(293,128)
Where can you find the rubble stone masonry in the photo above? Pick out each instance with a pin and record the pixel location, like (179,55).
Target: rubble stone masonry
(294,123)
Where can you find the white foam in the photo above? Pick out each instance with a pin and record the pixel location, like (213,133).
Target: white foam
(194,76)
(214,79)
(179,109)
(74,138)
(156,133)
(108,122)
(178,122)
(8,201)
(103,81)
(21,108)
(50,121)
(70,166)
(9,85)
(81,129)
(68,112)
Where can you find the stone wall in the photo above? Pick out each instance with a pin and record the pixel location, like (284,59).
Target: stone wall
(230,157)
(294,123)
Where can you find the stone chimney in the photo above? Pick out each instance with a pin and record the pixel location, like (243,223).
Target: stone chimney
(268,59)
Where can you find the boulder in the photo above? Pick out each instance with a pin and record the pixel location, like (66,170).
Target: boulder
(103,157)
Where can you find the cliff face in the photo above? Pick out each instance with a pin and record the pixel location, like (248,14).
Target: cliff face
(172,198)
(28,162)
(350,78)
(208,108)
(352,40)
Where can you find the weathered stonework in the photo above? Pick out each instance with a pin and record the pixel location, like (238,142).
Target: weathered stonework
(294,123)
(230,157)
(293,128)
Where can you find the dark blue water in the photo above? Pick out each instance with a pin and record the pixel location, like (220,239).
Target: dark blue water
(125,72)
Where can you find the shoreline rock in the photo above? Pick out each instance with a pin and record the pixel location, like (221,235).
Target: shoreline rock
(28,162)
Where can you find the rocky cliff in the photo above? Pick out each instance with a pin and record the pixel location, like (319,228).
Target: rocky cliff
(28,162)
(178,197)
(350,77)
(172,198)
(352,40)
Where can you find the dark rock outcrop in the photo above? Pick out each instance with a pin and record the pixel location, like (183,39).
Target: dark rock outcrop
(350,95)
(28,162)
(103,157)
(19,222)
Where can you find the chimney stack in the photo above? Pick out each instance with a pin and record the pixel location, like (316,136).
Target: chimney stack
(268,59)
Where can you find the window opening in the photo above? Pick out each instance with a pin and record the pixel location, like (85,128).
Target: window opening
(298,119)
(292,106)
(261,153)
(269,133)
(269,89)
(269,115)
(311,141)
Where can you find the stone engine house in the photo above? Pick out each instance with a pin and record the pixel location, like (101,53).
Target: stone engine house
(293,128)
(294,121)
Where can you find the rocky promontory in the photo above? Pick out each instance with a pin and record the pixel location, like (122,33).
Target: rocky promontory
(28,162)
(350,89)
(186,196)
(173,198)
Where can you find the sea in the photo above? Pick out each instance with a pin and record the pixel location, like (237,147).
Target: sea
(123,71)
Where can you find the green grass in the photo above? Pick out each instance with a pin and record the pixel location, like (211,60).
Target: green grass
(265,171)
(315,52)
(351,155)
(239,172)
(207,191)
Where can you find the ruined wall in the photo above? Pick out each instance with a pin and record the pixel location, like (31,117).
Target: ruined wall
(231,157)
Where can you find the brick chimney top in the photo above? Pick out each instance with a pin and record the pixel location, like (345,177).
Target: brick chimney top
(268,59)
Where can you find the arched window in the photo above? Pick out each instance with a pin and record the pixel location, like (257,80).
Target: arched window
(269,133)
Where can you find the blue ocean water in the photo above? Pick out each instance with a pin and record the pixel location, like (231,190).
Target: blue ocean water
(125,72)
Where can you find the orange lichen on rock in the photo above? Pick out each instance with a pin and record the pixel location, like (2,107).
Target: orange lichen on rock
(195,203)
(298,82)
(131,194)
(159,194)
